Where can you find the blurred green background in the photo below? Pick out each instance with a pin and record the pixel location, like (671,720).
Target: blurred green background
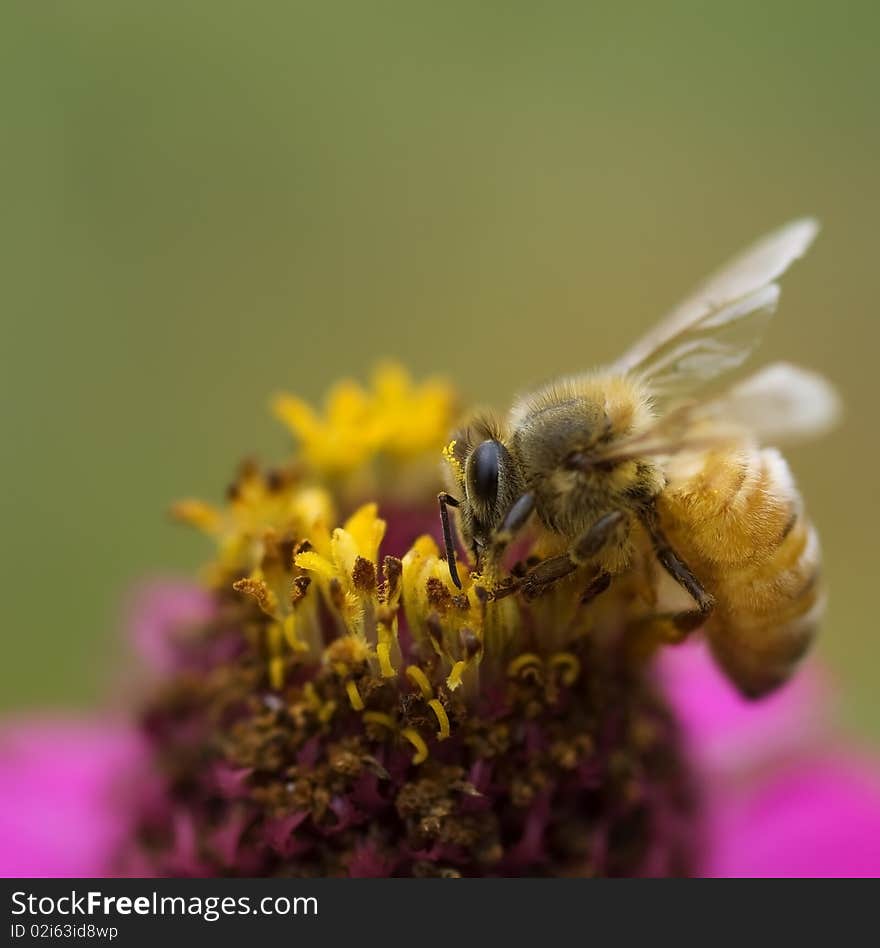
(203,203)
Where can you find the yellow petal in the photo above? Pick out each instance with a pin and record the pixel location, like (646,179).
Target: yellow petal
(298,415)
(313,507)
(425,546)
(315,563)
(367,530)
(344,551)
(346,404)
(391,382)
(198,514)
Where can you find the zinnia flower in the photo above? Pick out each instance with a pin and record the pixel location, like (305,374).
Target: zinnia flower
(328,703)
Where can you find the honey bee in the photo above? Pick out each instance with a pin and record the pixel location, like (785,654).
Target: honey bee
(645,459)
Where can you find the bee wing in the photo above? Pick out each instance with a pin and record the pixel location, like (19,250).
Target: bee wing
(715,329)
(778,405)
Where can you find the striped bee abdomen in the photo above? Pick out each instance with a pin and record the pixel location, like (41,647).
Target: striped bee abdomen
(737,519)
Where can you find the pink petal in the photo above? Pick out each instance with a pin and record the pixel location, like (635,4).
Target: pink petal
(62,803)
(405,525)
(727,733)
(162,610)
(819,817)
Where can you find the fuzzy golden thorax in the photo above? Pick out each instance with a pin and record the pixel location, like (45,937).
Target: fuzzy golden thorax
(548,447)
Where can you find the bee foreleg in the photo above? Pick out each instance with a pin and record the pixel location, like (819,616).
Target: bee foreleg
(515,519)
(446,501)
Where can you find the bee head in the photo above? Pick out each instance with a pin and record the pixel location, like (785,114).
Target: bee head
(487,480)
(491,486)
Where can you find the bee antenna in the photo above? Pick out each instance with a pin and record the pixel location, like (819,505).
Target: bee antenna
(446,501)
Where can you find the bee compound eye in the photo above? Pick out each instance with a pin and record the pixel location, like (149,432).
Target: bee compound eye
(483,470)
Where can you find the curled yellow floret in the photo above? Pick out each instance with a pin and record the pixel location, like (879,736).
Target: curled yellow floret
(442,718)
(419,678)
(418,743)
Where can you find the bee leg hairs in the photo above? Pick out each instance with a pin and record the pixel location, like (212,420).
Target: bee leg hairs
(604,531)
(515,519)
(682,574)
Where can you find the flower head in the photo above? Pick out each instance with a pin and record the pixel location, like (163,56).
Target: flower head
(361,714)
(330,702)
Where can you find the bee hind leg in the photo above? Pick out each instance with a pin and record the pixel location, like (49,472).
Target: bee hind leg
(690,619)
(681,573)
(672,628)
